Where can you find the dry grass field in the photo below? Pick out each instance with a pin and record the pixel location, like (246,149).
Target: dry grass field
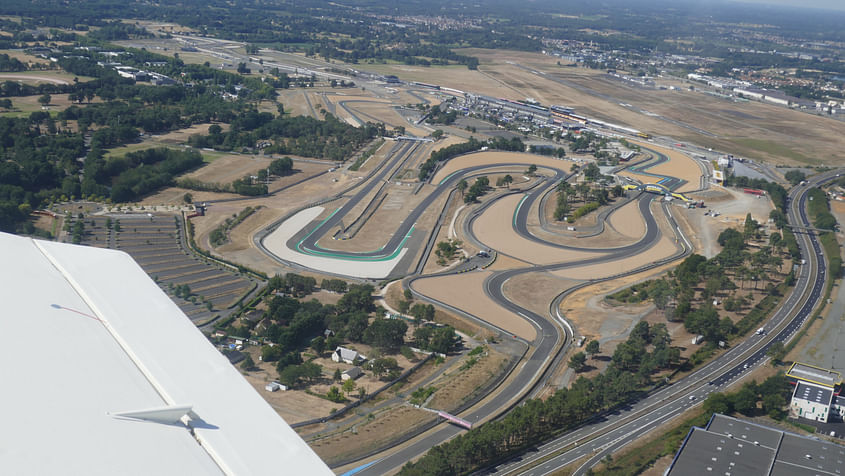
(751,129)
(24,57)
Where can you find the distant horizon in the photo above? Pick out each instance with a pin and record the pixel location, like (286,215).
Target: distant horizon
(838,5)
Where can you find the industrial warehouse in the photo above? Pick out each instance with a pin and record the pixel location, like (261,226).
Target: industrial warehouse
(729,446)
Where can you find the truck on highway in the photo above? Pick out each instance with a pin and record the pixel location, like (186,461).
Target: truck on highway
(761,331)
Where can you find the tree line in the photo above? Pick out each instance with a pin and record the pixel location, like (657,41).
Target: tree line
(646,350)
(472,145)
(298,135)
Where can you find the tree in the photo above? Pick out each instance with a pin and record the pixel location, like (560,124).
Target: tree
(750,226)
(776,351)
(437,134)
(577,361)
(404,306)
(338,375)
(311,371)
(319,345)
(248,364)
(348,386)
(617,191)
(592,347)
(422,311)
(270,354)
(507,180)
(795,176)
(282,166)
(45,99)
(384,366)
(718,403)
(357,298)
(290,375)
(356,326)
(386,334)
(745,401)
(462,186)
(334,395)
(188,198)
(531,170)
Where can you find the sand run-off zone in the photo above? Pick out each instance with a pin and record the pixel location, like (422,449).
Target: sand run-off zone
(466,291)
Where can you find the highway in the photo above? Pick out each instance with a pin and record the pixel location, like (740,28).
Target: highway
(612,432)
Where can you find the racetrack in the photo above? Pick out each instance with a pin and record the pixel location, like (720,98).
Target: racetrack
(479,294)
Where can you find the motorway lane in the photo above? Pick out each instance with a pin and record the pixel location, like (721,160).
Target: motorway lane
(686,392)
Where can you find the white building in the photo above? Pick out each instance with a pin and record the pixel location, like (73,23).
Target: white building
(275,387)
(776,100)
(811,401)
(349,356)
(352,373)
(814,397)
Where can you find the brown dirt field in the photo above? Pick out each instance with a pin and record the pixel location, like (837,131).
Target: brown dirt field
(369,435)
(174,195)
(181,136)
(506,262)
(493,158)
(296,101)
(385,113)
(24,58)
(665,247)
(377,158)
(293,405)
(458,77)
(383,223)
(466,291)
(232,167)
(535,291)
(494,229)
(739,127)
(239,236)
(588,313)
(28,104)
(456,384)
(628,221)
